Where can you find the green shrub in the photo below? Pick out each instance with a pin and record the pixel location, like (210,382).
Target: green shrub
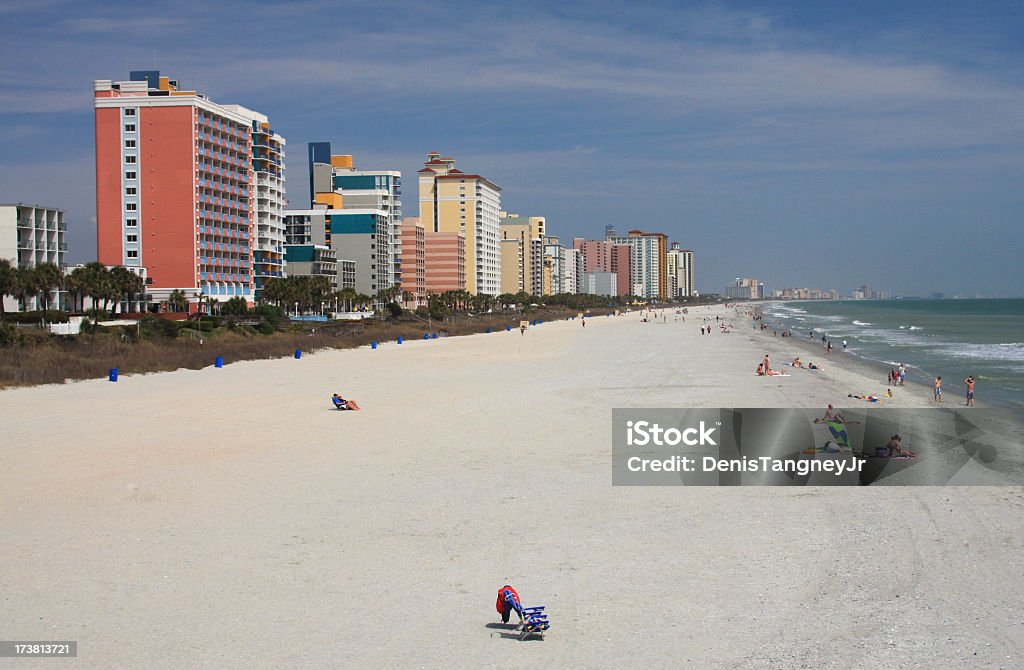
(8,334)
(52,316)
(154,327)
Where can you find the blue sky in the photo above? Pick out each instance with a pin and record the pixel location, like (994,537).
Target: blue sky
(804,144)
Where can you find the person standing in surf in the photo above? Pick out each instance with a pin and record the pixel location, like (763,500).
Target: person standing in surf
(970,390)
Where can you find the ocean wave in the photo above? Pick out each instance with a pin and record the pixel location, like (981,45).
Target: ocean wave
(916,328)
(992,352)
(862,323)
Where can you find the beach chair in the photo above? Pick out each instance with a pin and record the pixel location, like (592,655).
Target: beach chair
(535,623)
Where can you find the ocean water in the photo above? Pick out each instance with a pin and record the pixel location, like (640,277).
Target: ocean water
(951,338)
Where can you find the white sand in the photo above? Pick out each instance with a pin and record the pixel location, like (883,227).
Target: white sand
(230,518)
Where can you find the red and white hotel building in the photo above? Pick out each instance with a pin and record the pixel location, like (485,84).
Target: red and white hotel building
(176,188)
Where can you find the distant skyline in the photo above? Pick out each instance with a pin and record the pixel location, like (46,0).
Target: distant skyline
(805,145)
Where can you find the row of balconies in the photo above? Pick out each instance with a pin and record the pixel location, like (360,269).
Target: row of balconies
(214,264)
(25,224)
(42,246)
(208,170)
(204,143)
(223,276)
(224,232)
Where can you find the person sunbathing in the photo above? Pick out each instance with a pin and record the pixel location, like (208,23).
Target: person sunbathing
(760,369)
(895,447)
(343,403)
(797,363)
(812,366)
(869,398)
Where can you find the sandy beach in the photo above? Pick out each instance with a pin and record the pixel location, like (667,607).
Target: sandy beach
(230,518)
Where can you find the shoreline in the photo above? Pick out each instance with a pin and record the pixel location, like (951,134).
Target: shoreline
(916,376)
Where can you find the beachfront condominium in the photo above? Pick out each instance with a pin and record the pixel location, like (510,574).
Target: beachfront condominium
(352,234)
(452,201)
(561,270)
(603,256)
(268,254)
(601,283)
(680,272)
(31,235)
(522,253)
(176,187)
(745,288)
(412,263)
(648,263)
(365,190)
(444,257)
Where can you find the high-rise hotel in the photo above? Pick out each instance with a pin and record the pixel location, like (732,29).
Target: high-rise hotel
(452,201)
(186,188)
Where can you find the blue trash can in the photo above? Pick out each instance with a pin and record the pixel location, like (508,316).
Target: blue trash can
(219,362)
(373,345)
(298,353)
(433,336)
(399,339)
(113,374)
(426,336)
(488,329)
(508,328)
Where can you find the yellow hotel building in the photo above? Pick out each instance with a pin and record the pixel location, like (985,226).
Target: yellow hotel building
(452,201)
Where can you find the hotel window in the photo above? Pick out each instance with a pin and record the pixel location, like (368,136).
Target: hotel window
(129,127)
(133,254)
(129,159)
(131,206)
(129,144)
(131,223)
(130,174)
(129,112)
(132,238)
(130,190)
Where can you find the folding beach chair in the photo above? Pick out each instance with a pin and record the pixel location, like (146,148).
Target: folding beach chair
(535,623)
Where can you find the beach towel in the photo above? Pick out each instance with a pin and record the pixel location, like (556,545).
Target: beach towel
(839,433)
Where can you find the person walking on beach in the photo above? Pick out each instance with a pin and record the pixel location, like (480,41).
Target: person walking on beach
(828,348)
(767,365)
(844,345)
(937,389)
(970,390)
(902,371)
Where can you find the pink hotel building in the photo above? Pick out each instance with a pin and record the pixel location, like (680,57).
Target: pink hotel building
(175,187)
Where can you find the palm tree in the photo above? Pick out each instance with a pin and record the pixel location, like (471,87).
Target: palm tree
(48,279)
(177,301)
(7,282)
(75,285)
(26,286)
(124,284)
(348,297)
(236,306)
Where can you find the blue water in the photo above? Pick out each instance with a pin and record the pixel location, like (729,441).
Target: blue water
(948,338)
